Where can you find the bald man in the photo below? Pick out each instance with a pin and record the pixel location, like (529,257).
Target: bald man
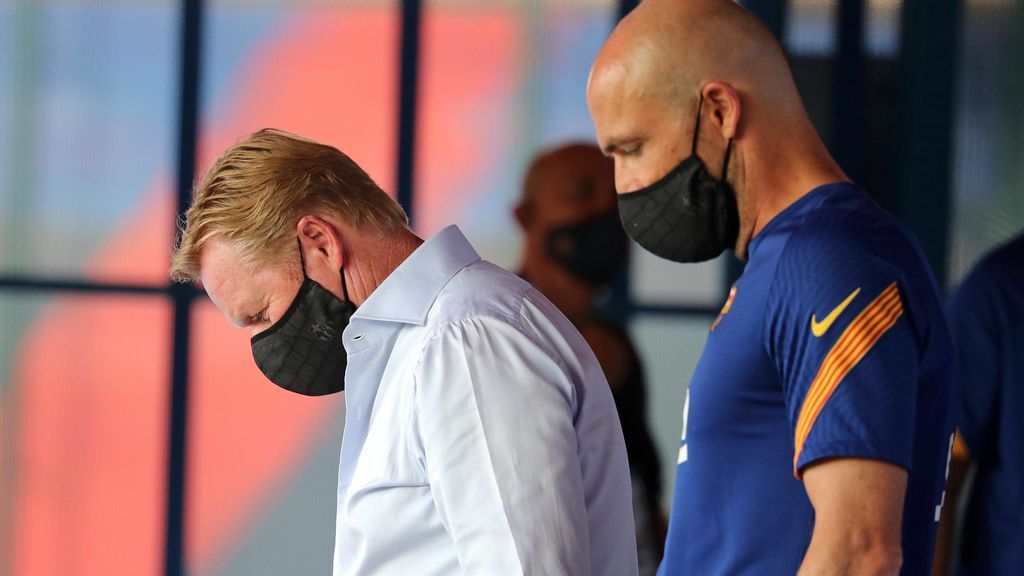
(818,422)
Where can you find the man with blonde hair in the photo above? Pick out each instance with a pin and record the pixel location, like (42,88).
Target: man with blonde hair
(481,437)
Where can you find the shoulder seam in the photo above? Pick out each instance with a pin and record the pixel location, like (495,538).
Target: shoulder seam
(539,344)
(770,297)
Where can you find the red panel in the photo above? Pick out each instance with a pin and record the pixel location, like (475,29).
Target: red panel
(91,446)
(472,70)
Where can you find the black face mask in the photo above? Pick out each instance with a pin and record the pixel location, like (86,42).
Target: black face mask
(592,250)
(686,216)
(303,351)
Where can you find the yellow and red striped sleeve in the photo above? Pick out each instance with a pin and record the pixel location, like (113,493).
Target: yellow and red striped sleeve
(854,343)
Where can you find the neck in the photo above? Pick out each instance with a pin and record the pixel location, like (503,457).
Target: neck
(778,176)
(572,296)
(371,257)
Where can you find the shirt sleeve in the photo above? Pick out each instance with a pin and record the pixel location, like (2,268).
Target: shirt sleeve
(973,319)
(494,413)
(838,332)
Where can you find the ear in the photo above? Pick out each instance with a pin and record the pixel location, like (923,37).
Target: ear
(723,108)
(524,215)
(320,240)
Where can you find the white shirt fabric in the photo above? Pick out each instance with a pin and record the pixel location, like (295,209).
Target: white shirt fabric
(481,437)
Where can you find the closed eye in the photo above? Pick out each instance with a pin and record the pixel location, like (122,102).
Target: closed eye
(624,149)
(631,150)
(258,318)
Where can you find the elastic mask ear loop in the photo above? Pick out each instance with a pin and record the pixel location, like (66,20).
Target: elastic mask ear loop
(344,287)
(725,163)
(302,259)
(696,127)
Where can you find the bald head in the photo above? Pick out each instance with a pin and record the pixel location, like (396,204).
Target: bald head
(576,169)
(667,49)
(672,66)
(664,59)
(566,186)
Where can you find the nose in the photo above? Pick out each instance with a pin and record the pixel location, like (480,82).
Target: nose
(628,184)
(626,177)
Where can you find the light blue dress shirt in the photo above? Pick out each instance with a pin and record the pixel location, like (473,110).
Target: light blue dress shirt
(481,437)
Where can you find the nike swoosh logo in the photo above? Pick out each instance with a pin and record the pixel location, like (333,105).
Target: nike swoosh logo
(819,328)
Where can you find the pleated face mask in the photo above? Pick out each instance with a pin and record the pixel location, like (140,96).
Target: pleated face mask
(686,216)
(303,352)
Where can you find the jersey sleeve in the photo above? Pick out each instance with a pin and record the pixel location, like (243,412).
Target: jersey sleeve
(974,321)
(838,332)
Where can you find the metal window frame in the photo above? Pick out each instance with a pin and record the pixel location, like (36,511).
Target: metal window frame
(181,296)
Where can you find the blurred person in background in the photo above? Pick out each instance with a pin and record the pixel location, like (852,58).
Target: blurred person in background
(818,421)
(480,436)
(986,315)
(574,247)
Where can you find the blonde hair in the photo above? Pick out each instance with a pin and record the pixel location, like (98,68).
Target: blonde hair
(256,192)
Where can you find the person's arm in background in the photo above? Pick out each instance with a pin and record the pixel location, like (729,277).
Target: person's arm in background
(945,538)
(973,312)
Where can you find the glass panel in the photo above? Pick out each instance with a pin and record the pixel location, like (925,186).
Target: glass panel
(669,347)
(810,28)
(988,171)
(263,463)
(499,82)
(83,434)
(660,282)
(325,70)
(8,79)
(88,93)
(882,28)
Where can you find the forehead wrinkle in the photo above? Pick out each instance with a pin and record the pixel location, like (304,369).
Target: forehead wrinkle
(627,84)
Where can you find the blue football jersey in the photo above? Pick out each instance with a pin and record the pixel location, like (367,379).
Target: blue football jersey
(832,344)
(986,315)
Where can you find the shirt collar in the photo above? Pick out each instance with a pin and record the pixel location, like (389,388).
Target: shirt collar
(407,294)
(809,201)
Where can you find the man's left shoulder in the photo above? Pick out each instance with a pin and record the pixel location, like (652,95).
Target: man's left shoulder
(854,253)
(854,230)
(481,289)
(852,244)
